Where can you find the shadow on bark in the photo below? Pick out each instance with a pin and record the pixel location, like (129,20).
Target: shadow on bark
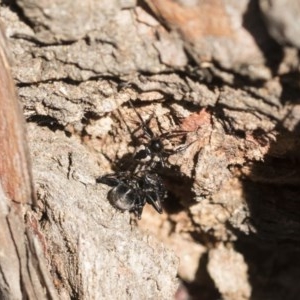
(272,194)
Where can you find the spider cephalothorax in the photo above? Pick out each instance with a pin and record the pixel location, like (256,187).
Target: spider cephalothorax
(132,191)
(152,150)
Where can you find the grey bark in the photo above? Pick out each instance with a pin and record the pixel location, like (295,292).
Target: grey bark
(23,272)
(225,71)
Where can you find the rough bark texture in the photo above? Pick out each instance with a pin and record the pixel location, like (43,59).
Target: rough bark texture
(23,272)
(225,71)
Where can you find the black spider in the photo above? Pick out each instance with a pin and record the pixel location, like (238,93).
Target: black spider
(139,183)
(132,191)
(153,151)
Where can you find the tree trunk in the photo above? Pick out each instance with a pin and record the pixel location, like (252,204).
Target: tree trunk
(23,269)
(227,74)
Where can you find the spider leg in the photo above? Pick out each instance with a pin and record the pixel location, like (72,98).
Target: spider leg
(142,134)
(168,152)
(139,206)
(144,125)
(113,179)
(162,160)
(174,133)
(183,147)
(155,203)
(140,211)
(109,179)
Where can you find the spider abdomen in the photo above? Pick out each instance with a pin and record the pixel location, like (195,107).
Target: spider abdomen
(143,154)
(123,197)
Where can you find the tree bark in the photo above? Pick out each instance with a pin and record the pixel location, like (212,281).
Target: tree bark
(22,265)
(227,74)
